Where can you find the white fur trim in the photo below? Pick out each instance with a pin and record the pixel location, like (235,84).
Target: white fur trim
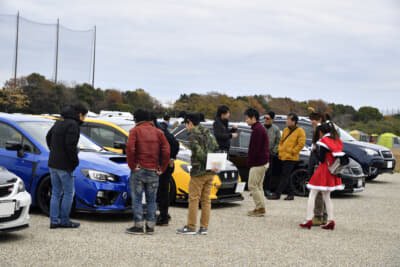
(325,188)
(338,154)
(322,144)
(327,134)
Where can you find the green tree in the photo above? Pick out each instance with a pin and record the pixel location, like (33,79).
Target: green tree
(366,114)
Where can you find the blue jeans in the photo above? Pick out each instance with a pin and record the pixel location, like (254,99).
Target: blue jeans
(62,183)
(147,181)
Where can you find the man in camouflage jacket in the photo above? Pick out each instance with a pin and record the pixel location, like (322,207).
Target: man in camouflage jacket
(201,142)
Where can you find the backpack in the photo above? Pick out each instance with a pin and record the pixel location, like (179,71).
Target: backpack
(338,166)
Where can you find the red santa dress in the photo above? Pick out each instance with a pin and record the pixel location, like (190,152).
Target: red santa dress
(322,179)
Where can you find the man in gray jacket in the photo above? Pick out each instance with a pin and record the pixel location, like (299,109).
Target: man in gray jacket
(274,135)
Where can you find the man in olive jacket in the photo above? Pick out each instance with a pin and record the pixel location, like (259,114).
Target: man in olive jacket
(292,142)
(201,142)
(62,140)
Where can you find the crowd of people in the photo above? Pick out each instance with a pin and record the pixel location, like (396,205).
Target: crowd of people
(151,151)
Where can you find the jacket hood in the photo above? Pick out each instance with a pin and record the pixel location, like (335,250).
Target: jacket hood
(70,113)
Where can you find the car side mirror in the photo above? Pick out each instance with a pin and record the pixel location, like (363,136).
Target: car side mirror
(120,145)
(15,146)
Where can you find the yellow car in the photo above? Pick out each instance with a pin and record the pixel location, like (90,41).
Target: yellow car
(112,134)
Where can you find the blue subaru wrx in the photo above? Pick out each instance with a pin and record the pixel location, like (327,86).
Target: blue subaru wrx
(101,179)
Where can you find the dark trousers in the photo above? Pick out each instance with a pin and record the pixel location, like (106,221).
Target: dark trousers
(163,192)
(273,172)
(319,208)
(286,182)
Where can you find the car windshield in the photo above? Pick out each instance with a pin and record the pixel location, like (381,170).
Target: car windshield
(38,130)
(344,136)
(126,127)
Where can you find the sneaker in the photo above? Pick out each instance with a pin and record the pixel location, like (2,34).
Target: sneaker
(135,230)
(289,198)
(202,231)
(161,221)
(69,224)
(54,225)
(256,213)
(186,231)
(273,196)
(316,221)
(149,230)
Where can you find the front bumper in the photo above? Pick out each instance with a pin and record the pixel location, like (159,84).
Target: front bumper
(353,184)
(388,166)
(20,218)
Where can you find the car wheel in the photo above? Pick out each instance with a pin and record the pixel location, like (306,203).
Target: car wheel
(172,191)
(373,174)
(43,195)
(300,180)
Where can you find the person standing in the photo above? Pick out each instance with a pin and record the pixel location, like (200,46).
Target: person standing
(328,148)
(201,142)
(221,129)
(165,178)
(147,153)
(257,161)
(164,125)
(62,140)
(320,215)
(274,136)
(292,142)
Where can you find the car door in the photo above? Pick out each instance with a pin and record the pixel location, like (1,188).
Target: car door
(24,165)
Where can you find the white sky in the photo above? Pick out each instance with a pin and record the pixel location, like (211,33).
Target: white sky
(340,51)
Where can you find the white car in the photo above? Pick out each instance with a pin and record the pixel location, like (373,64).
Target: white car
(14,202)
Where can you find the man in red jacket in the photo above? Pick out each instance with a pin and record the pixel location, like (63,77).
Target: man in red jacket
(146,144)
(257,161)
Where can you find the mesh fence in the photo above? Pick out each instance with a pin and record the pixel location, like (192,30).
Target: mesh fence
(37,51)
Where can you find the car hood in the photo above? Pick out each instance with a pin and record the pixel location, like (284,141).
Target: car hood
(366,145)
(7,177)
(104,161)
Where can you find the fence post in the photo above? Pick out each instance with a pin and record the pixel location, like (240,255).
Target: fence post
(58,36)
(16,54)
(94,55)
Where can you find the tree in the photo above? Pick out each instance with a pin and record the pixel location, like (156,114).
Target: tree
(366,114)
(13,100)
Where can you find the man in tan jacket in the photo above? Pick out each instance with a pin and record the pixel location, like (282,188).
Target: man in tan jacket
(292,142)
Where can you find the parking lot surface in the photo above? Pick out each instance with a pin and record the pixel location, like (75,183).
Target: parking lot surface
(367,234)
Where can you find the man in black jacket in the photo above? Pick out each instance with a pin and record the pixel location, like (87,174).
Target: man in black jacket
(62,140)
(221,130)
(165,177)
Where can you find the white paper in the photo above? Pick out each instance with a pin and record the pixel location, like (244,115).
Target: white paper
(240,187)
(7,208)
(216,160)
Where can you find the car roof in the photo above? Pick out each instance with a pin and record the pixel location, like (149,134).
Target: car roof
(21,117)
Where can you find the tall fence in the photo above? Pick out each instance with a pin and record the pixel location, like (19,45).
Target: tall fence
(53,50)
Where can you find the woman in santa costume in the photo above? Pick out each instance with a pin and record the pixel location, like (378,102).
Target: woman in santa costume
(329,147)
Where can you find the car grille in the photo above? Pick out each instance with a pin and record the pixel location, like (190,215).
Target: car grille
(224,192)
(12,217)
(387,154)
(6,190)
(228,176)
(356,171)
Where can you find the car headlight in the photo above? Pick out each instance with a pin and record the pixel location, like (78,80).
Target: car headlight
(21,187)
(99,176)
(371,152)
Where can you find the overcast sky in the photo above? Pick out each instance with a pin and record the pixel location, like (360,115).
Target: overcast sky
(340,51)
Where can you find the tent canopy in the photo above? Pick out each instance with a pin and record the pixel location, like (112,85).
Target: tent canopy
(389,140)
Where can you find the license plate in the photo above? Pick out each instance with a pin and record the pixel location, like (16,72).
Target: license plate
(390,164)
(240,187)
(359,183)
(7,209)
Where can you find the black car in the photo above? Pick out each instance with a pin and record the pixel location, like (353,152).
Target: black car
(353,177)
(374,159)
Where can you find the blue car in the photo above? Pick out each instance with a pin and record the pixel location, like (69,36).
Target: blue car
(101,179)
